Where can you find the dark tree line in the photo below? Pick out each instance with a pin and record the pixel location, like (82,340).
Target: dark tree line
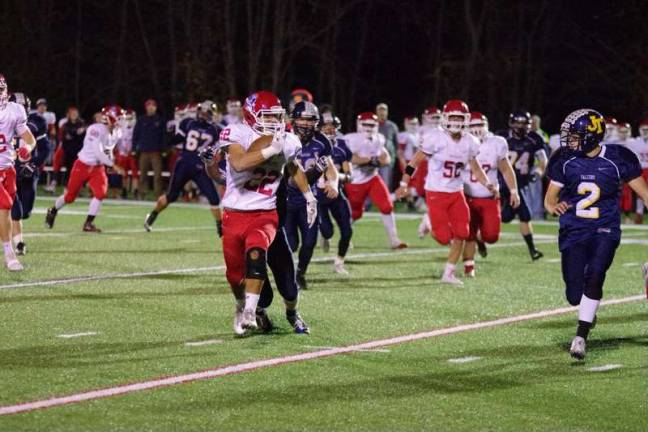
(548,56)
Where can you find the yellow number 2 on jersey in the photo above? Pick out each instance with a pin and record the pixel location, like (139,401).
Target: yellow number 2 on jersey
(584,207)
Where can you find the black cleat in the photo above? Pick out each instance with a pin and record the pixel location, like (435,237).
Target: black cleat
(301,281)
(90,227)
(536,255)
(50,217)
(298,324)
(481,248)
(263,321)
(149,221)
(21,248)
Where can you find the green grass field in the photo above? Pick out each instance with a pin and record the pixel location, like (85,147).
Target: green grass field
(143,306)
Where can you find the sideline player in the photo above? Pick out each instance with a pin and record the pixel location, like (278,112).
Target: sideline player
(640,147)
(584,190)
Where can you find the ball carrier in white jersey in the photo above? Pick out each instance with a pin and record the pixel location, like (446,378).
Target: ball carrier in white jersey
(449,152)
(250,217)
(485,212)
(13,123)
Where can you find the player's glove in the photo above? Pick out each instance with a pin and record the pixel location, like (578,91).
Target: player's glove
(311,208)
(276,146)
(24,153)
(207,154)
(374,162)
(27,170)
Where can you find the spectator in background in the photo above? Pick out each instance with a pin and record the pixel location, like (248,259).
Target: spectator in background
(71,135)
(389,129)
(535,127)
(49,116)
(148,142)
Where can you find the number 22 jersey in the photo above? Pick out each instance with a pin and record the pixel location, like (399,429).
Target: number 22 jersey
(592,187)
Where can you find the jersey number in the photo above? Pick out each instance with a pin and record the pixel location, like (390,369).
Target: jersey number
(3,143)
(196,139)
(522,163)
(485,167)
(452,169)
(584,207)
(260,180)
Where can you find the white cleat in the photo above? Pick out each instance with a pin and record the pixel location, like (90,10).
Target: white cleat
(424,227)
(450,278)
(238,322)
(338,266)
(325,244)
(13,264)
(249,321)
(577,349)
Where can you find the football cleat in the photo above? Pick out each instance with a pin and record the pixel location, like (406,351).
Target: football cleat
(148,223)
(577,349)
(90,227)
(481,248)
(398,244)
(451,279)
(50,217)
(13,264)
(325,244)
(424,227)
(263,321)
(536,255)
(249,321)
(21,248)
(338,266)
(238,322)
(301,281)
(298,324)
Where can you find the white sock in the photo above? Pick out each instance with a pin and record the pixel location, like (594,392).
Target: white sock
(389,221)
(8,250)
(587,309)
(17,239)
(640,206)
(95,206)
(251,301)
(449,269)
(60,202)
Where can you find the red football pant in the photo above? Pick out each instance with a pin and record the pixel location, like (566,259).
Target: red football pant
(449,215)
(7,188)
(626,198)
(375,189)
(57,160)
(485,217)
(96,177)
(129,163)
(243,231)
(418,179)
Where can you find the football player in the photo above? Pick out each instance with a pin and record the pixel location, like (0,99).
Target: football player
(28,173)
(585,179)
(250,218)
(193,134)
(431,122)
(611,130)
(484,208)
(369,154)
(316,150)
(407,141)
(126,156)
(640,147)
(97,154)
(234,113)
(449,152)
(13,123)
(338,207)
(523,152)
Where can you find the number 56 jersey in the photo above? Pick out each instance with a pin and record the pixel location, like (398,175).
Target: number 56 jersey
(256,188)
(592,187)
(447,160)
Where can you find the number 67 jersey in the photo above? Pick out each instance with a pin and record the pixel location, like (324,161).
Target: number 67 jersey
(256,188)
(592,187)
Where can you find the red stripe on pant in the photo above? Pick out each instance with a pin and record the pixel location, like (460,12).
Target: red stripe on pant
(449,216)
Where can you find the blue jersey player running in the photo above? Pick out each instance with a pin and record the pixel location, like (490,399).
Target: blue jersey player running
(338,207)
(194,134)
(315,153)
(586,180)
(27,178)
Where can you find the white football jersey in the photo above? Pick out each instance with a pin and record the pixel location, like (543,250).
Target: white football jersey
(554,143)
(125,145)
(98,144)
(13,122)
(408,142)
(447,160)
(640,147)
(362,146)
(256,188)
(491,151)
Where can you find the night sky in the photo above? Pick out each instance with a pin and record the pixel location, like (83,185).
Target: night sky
(549,57)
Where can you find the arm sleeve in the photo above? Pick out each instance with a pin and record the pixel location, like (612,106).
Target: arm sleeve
(629,166)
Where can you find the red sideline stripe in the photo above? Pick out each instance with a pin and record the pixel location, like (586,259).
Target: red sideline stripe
(244,367)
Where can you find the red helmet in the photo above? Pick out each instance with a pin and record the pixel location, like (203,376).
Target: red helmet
(4,92)
(455,108)
(478,124)
(643,128)
(625,130)
(263,112)
(110,114)
(129,115)
(411,124)
(367,123)
(432,116)
(611,121)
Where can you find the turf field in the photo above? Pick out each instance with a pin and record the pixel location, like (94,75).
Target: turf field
(129,307)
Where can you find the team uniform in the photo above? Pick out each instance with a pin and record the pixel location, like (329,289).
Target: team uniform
(125,158)
(13,122)
(447,160)
(484,208)
(313,154)
(640,148)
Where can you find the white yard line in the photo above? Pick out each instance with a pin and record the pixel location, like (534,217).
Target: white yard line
(605,368)
(204,342)
(76,335)
(277,361)
(461,360)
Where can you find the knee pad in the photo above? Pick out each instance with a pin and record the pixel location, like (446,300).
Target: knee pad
(594,286)
(508,213)
(255,264)
(573,293)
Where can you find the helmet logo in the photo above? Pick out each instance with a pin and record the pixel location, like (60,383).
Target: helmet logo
(596,126)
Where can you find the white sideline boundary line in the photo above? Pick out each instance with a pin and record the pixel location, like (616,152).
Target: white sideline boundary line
(222,267)
(276,361)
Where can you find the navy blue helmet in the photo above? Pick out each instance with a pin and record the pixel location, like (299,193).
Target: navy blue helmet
(520,122)
(306,111)
(582,131)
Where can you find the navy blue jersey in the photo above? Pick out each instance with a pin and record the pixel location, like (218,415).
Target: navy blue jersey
(311,155)
(341,153)
(525,150)
(592,187)
(193,135)
(38,127)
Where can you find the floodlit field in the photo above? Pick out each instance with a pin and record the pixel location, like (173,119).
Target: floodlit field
(128,307)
